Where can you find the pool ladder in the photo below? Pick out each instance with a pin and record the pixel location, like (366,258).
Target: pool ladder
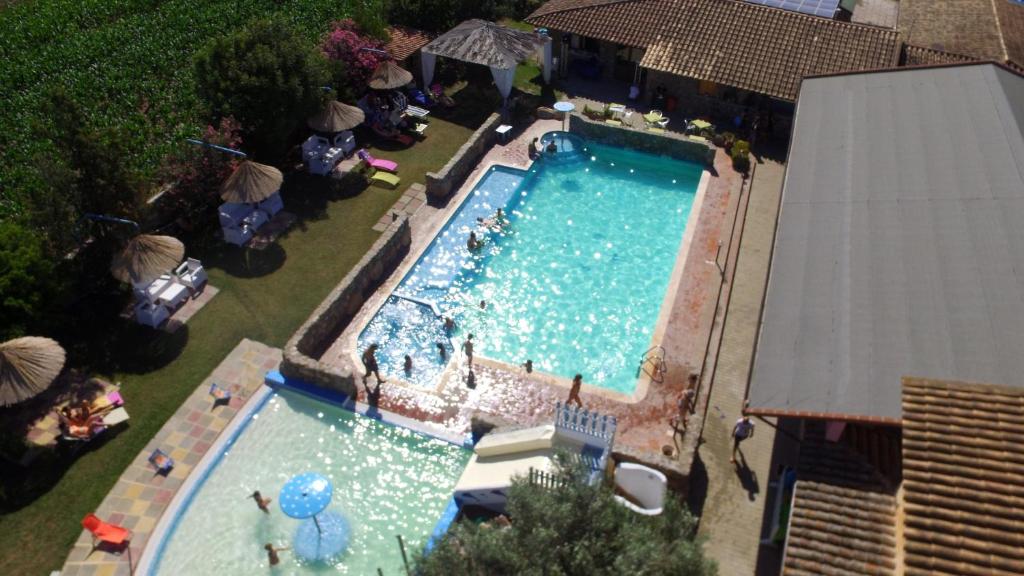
(653,363)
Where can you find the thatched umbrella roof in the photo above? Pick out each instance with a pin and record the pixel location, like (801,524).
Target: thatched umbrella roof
(251,182)
(389,76)
(336,117)
(487,43)
(27,367)
(146,257)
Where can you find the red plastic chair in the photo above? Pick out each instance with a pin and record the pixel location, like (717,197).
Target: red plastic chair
(104,531)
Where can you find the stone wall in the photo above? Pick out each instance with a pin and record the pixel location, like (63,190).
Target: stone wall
(303,351)
(669,144)
(440,184)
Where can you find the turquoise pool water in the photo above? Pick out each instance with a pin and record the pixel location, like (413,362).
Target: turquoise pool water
(386,481)
(574,282)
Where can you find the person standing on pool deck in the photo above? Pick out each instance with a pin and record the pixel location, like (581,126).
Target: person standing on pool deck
(574,392)
(261,502)
(467,347)
(743,429)
(370,362)
(533,152)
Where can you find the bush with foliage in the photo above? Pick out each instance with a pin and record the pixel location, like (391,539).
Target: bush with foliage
(741,156)
(572,529)
(27,280)
(267,78)
(357,53)
(195,173)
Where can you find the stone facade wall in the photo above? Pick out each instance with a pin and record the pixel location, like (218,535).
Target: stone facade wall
(668,143)
(440,184)
(303,351)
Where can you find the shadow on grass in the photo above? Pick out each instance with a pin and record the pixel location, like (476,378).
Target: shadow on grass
(246,262)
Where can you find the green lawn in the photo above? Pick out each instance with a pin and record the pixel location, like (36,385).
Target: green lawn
(264,296)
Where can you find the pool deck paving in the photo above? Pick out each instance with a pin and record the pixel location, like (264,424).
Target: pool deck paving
(644,422)
(735,496)
(141,495)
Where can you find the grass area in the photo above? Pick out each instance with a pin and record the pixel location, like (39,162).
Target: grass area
(264,296)
(128,62)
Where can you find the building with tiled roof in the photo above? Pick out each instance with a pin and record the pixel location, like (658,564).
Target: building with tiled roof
(921,56)
(959,509)
(730,43)
(403,41)
(980,29)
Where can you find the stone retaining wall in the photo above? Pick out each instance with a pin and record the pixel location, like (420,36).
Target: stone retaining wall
(440,184)
(669,144)
(304,349)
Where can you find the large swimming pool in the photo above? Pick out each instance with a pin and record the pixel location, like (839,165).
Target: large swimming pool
(575,281)
(387,481)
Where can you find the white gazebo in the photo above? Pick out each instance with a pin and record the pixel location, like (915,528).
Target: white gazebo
(481,42)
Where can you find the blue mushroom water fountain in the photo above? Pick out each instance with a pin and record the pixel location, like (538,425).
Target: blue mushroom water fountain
(324,535)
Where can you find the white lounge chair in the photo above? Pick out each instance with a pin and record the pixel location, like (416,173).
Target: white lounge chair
(151,314)
(192,274)
(237,236)
(272,205)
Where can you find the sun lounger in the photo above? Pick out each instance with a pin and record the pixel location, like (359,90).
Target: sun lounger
(385,179)
(416,111)
(116,416)
(613,122)
(105,532)
(378,163)
(161,461)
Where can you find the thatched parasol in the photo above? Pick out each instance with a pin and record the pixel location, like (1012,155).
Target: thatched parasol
(487,43)
(251,182)
(389,76)
(146,257)
(27,367)
(336,117)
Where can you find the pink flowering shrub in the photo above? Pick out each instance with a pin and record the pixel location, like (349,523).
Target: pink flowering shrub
(345,43)
(195,173)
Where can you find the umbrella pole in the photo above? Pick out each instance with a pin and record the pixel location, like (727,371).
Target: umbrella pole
(319,531)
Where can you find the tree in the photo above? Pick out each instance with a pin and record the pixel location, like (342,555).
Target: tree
(575,529)
(195,173)
(358,55)
(89,176)
(268,78)
(28,283)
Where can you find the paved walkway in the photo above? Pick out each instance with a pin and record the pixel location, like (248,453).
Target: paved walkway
(732,499)
(140,495)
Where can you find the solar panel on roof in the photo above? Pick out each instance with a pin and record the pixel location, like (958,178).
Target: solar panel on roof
(823,8)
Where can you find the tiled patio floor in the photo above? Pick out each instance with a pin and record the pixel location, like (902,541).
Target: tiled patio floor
(140,495)
(643,425)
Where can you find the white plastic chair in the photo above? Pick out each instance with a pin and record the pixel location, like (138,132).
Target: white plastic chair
(151,314)
(191,274)
(272,205)
(237,236)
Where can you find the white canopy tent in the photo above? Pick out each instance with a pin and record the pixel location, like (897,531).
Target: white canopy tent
(486,43)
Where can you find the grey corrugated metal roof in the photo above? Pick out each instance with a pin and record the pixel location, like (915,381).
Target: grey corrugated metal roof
(900,244)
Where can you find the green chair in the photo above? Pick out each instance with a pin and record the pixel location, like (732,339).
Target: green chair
(385,179)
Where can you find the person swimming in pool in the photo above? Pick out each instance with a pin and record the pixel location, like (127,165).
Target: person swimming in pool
(473,243)
(272,556)
(407,366)
(261,502)
(552,147)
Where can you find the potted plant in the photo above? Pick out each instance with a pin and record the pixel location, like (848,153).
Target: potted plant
(740,155)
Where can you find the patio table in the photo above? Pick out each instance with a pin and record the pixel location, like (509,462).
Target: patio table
(701,124)
(173,295)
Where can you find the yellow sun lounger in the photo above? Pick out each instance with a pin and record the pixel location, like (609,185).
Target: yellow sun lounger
(385,179)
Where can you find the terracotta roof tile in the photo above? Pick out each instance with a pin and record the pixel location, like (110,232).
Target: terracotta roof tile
(762,49)
(963,478)
(989,29)
(919,56)
(404,42)
(844,514)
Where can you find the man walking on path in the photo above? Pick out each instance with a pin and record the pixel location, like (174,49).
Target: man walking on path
(743,429)
(370,362)
(467,347)
(574,392)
